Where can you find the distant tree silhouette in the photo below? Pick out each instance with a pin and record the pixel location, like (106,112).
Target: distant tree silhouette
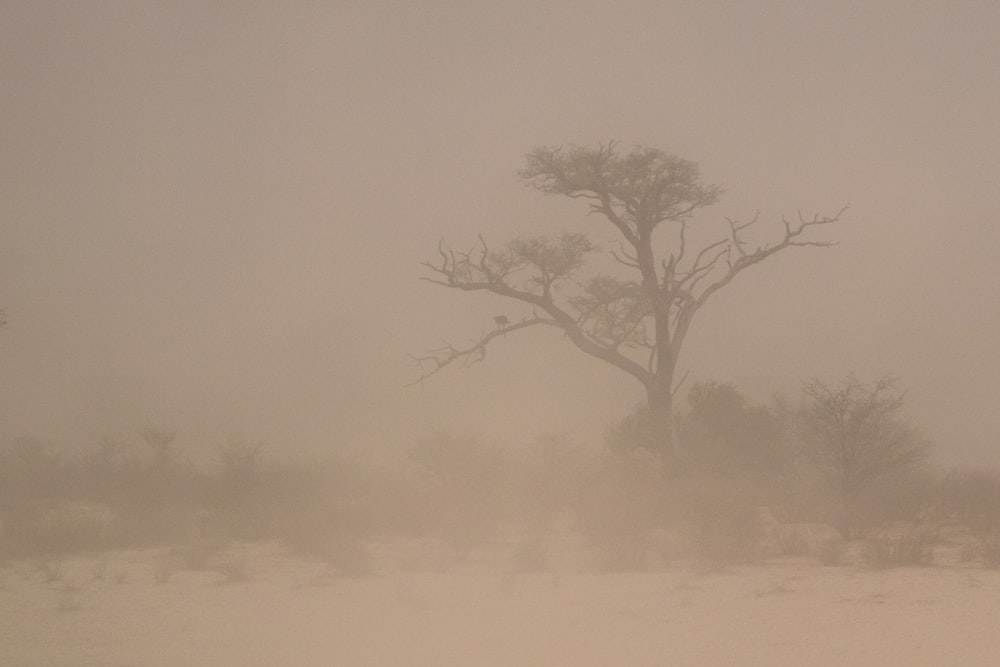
(856,434)
(637,319)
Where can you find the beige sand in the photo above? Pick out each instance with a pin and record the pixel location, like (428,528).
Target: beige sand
(110,610)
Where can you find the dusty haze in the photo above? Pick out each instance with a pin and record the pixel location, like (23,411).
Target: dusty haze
(212,215)
(212,222)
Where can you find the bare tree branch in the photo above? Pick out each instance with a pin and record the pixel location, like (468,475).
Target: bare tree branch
(447,354)
(746,260)
(625,258)
(610,318)
(551,263)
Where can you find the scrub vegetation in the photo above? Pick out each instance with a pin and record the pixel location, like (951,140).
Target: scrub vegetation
(759,481)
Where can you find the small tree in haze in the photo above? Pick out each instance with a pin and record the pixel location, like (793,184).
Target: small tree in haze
(635,319)
(856,434)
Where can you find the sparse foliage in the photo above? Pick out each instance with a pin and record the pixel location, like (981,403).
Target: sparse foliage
(722,431)
(636,321)
(855,433)
(906,547)
(971,497)
(831,551)
(988,551)
(635,432)
(468,487)
(723,521)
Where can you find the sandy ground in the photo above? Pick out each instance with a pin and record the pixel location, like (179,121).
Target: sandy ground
(130,608)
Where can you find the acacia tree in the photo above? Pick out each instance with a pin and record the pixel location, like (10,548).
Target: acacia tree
(637,319)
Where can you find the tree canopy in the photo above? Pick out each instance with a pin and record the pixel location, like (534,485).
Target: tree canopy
(855,432)
(638,318)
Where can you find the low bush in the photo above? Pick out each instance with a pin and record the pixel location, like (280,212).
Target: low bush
(971,498)
(901,548)
(621,502)
(233,568)
(831,552)
(114,497)
(722,520)
(987,551)
(789,541)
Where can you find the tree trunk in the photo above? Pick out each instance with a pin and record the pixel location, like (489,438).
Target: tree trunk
(661,411)
(660,392)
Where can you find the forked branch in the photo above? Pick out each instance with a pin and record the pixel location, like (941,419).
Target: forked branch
(744,259)
(447,354)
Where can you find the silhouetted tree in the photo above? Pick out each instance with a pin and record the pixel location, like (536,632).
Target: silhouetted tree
(856,434)
(636,321)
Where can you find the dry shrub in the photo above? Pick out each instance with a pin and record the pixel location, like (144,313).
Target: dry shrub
(628,501)
(727,535)
(901,548)
(722,520)
(620,504)
(620,497)
(831,552)
(987,551)
(806,496)
(77,527)
(345,551)
(116,497)
(43,527)
(329,529)
(198,554)
(627,554)
(322,510)
(903,497)
(971,497)
(233,568)
(209,555)
(467,487)
(790,541)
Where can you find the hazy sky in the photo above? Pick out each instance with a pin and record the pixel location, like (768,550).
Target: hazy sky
(212,214)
